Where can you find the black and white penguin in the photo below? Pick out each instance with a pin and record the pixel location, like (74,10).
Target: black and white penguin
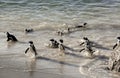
(68,30)
(53,43)
(11,37)
(60,33)
(28,30)
(118,43)
(79,26)
(61,46)
(87,46)
(56,44)
(32,50)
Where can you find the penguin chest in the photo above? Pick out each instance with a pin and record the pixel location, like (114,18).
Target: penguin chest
(118,47)
(30,53)
(61,47)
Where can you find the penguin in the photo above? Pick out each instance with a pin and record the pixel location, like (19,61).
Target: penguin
(53,43)
(86,41)
(61,46)
(87,46)
(32,50)
(79,26)
(28,30)
(68,29)
(11,37)
(56,44)
(117,44)
(60,33)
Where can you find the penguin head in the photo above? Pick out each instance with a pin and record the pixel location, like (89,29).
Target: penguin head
(8,33)
(31,42)
(85,38)
(85,24)
(118,38)
(61,40)
(52,40)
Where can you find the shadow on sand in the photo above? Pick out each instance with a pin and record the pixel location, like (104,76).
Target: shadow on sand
(96,45)
(56,61)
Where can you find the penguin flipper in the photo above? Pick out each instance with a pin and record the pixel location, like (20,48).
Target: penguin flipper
(81,44)
(26,50)
(35,50)
(14,38)
(114,46)
(82,50)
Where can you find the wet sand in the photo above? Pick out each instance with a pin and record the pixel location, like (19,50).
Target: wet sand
(50,63)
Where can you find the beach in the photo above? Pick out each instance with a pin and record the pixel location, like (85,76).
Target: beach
(46,18)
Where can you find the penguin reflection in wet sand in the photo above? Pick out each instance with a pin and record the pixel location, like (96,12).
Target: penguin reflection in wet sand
(11,37)
(31,50)
(117,44)
(88,46)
